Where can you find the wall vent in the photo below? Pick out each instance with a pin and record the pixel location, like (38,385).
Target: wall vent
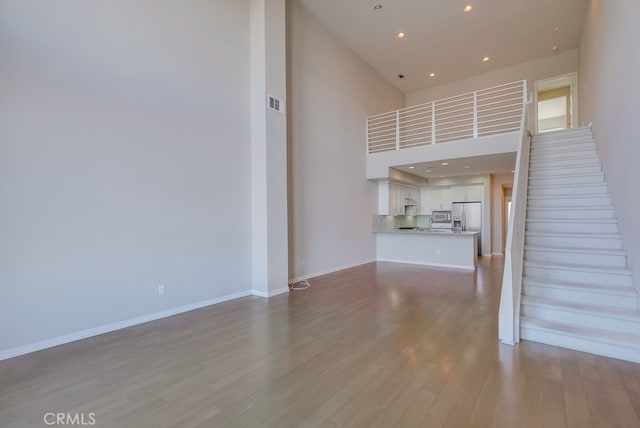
(275,104)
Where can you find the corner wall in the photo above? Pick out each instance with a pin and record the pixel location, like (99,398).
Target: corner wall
(124,162)
(330,93)
(609,70)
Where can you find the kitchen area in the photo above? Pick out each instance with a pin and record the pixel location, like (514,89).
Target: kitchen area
(441,222)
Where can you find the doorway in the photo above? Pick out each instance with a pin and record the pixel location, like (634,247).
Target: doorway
(555,101)
(507,191)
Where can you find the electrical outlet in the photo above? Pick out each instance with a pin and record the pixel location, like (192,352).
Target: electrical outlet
(438,252)
(162,289)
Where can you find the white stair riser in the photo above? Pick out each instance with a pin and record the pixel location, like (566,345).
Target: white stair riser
(573,295)
(579,344)
(575,241)
(567,145)
(542,155)
(559,139)
(586,201)
(580,318)
(570,213)
(562,181)
(574,226)
(559,152)
(569,161)
(582,277)
(594,189)
(548,255)
(551,172)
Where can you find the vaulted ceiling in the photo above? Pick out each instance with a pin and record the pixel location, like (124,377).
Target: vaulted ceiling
(441,38)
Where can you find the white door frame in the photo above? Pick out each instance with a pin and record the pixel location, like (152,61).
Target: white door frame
(573,77)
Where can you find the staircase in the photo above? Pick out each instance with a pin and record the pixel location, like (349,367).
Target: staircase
(576,288)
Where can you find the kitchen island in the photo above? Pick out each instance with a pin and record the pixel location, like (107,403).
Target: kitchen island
(448,249)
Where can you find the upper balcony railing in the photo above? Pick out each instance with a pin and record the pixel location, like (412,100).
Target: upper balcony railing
(476,114)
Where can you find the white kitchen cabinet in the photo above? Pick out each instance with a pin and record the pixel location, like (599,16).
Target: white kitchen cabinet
(446,199)
(401,195)
(395,200)
(466,194)
(426,201)
(435,199)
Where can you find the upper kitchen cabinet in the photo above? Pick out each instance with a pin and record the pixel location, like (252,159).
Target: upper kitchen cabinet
(393,198)
(467,194)
(435,199)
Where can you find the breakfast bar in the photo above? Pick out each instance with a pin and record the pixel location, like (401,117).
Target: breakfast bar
(448,249)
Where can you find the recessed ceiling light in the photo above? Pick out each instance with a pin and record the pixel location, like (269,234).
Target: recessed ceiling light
(400,35)
(556,28)
(486,59)
(467,167)
(428,170)
(555,48)
(432,74)
(442,176)
(468,8)
(400,76)
(377,7)
(444,163)
(412,167)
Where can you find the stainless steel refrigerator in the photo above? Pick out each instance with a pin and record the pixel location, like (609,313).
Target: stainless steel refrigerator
(471,215)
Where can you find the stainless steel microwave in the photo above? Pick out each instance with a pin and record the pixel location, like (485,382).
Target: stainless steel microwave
(441,217)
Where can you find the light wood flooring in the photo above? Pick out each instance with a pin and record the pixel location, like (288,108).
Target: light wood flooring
(380,345)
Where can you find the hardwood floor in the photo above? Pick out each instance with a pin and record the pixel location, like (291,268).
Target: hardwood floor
(379,345)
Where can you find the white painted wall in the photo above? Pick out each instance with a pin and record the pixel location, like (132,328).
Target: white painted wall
(543,68)
(270,272)
(124,161)
(331,92)
(609,70)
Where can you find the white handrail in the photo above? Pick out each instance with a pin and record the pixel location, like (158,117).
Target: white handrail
(484,112)
(509,312)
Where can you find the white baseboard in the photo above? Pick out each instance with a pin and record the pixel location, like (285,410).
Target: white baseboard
(270,293)
(440,265)
(83,334)
(330,270)
(498,254)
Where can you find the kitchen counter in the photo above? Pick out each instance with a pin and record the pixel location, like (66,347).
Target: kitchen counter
(422,231)
(458,250)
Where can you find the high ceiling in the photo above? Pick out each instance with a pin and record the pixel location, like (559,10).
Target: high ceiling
(442,39)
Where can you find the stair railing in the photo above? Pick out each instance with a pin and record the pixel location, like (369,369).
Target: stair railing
(509,312)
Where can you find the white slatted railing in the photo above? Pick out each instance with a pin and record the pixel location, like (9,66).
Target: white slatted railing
(477,114)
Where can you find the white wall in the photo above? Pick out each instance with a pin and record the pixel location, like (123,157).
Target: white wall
(331,92)
(124,161)
(609,70)
(543,68)
(270,255)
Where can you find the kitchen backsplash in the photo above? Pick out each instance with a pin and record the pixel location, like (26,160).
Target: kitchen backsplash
(385,223)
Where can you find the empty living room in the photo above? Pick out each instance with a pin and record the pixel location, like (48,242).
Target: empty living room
(299,213)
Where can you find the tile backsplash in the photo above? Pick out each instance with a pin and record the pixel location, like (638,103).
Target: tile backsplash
(384,223)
